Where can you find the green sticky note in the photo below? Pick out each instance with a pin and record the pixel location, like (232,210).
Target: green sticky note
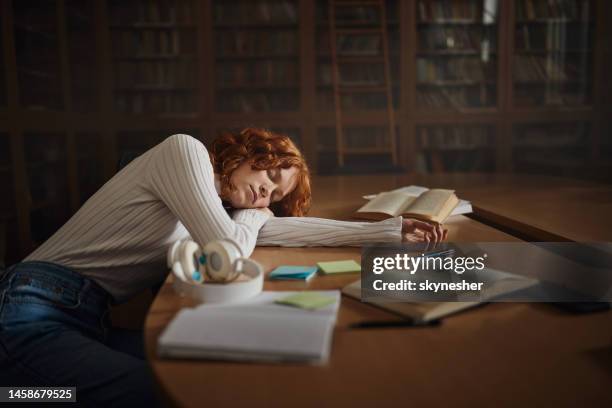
(339,267)
(307,300)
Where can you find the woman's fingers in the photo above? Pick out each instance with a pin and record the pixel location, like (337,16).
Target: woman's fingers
(422,225)
(440,233)
(431,233)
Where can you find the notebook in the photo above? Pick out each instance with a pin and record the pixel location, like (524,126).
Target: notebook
(257,330)
(498,284)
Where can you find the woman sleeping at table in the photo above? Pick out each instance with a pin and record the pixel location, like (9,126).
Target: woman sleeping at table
(252,187)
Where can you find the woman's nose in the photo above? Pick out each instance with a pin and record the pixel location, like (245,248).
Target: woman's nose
(262,190)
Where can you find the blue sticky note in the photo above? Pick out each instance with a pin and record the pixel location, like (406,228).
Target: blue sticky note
(293,272)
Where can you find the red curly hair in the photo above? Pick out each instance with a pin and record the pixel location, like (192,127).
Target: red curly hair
(266,150)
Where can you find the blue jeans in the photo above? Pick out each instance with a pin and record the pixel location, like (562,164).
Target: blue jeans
(55,331)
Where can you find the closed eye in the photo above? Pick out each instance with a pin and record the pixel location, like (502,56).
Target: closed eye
(273,174)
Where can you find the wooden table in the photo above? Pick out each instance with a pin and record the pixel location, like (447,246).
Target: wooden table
(539,208)
(501,354)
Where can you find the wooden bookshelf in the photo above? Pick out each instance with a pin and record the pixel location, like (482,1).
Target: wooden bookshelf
(553,53)
(456,55)
(37,53)
(3,73)
(458,148)
(47,175)
(104,80)
(257,48)
(155,56)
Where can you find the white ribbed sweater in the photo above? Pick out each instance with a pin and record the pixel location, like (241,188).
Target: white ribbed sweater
(119,237)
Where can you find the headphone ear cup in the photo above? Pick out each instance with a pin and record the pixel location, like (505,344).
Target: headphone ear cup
(189,254)
(171,256)
(177,270)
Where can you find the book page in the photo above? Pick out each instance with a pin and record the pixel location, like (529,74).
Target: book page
(433,204)
(390,203)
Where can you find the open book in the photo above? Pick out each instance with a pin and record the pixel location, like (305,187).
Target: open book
(432,205)
(464,206)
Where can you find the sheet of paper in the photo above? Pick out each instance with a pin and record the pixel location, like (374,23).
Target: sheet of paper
(347,266)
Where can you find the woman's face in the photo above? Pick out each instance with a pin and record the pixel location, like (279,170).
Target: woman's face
(259,188)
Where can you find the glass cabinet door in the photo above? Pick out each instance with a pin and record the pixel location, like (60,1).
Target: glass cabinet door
(456,148)
(154,51)
(9,230)
(37,52)
(359,56)
(257,65)
(47,175)
(456,55)
(553,53)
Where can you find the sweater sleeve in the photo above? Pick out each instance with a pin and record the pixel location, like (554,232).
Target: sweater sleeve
(310,231)
(181,175)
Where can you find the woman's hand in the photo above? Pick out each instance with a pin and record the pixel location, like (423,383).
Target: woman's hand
(420,231)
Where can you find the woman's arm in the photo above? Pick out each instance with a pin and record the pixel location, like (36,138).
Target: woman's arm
(181,175)
(310,231)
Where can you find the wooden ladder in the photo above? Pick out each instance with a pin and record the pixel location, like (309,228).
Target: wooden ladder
(339,89)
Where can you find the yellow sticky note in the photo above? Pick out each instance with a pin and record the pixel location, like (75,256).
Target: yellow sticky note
(348,266)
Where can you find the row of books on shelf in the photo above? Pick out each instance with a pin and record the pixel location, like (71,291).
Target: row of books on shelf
(251,12)
(551,135)
(233,101)
(560,163)
(366,138)
(456,98)
(574,38)
(155,74)
(443,10)
(352,14)
(461,68)
(454,38)
(47,184)
(154,102)
(551,95)
(361,101)
(553,9)
(258,43)
(45,148)
(148,12)
(552,67)
(136,43)
(7,206)
(454,138)
(364,74)
(352,45)
(258,73)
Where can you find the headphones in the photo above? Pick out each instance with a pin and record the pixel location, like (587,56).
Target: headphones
(207,274)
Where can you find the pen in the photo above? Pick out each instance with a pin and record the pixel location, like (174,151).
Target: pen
(395,323)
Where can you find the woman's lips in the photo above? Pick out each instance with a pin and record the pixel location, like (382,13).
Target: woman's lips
(254,194)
